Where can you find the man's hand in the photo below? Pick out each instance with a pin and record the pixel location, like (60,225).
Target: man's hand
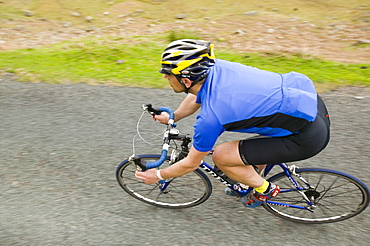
(149,176)
(162,118)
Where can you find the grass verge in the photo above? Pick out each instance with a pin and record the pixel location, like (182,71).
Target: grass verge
(136,63)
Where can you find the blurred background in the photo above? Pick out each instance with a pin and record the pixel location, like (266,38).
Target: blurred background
(120,42)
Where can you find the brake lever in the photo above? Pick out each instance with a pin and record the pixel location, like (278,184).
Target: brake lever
(152,110)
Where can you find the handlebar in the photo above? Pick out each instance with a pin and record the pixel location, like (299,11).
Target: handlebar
(167,136)
(158,110)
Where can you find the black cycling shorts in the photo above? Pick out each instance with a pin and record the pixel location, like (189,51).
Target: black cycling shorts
(306,143)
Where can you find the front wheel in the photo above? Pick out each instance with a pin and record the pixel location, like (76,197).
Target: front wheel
(336,196)
(186,191)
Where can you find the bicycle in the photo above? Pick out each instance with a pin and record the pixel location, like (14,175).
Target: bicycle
(308,195)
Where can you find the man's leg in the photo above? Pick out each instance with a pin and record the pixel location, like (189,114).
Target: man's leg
(226,157)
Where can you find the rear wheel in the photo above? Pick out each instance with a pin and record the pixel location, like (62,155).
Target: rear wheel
(186,191)
(336,196)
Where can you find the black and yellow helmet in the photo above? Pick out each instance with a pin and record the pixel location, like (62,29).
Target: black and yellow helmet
(188,58)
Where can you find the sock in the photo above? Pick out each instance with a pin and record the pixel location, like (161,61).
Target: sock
(263,188)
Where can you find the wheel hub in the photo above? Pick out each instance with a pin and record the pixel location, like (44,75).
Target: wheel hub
(312,194)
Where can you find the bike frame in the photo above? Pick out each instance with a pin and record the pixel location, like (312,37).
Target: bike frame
(243,192)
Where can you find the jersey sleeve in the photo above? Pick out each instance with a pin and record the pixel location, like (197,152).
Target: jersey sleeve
(206,131)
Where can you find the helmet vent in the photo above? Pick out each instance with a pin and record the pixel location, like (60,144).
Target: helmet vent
(174,58)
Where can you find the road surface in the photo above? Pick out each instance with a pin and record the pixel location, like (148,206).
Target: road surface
(60,145)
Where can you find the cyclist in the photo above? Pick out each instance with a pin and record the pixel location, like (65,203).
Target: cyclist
(285,111)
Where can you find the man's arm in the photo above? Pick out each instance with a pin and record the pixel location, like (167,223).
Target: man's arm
(184,166)
(187,107)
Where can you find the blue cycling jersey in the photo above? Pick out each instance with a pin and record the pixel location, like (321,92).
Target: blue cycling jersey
(240,98)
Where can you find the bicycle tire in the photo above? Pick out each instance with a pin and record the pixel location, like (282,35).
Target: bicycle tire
(338,196)
(186,191)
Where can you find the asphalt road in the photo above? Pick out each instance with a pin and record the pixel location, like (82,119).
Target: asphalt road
(60,145)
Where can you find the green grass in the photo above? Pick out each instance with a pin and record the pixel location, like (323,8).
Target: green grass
(94,61)
(320,71)
(89,61)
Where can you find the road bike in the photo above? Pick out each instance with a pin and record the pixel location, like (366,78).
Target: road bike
(308,195)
